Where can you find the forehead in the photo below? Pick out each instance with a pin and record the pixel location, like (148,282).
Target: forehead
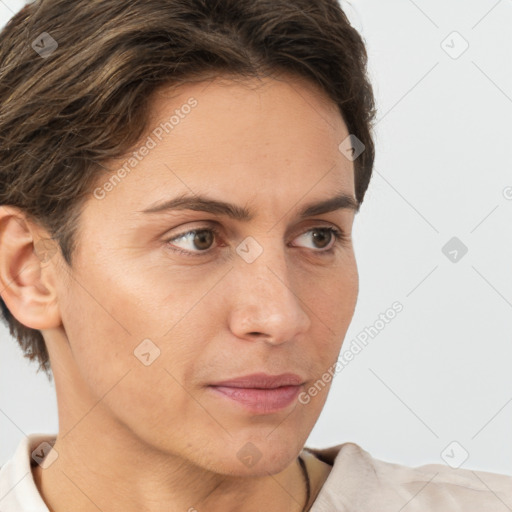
(263,116)
(261,141)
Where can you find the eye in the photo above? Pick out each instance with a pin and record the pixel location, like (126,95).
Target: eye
(323,236)
(195,239)
(197,242)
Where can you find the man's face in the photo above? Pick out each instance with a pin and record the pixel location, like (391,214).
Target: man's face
(273,294)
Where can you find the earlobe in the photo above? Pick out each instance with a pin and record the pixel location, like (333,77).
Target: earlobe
(27,271)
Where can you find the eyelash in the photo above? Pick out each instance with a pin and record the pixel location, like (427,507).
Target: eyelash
(339,236)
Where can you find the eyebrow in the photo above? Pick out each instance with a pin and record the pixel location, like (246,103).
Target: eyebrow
(205,204)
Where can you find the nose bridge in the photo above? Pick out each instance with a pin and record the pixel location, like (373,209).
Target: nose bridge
(265,301)
(264,263)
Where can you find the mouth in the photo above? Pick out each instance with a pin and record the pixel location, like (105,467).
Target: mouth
(260,393)
(258,400)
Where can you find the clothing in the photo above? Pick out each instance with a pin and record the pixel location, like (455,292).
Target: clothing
(356,483)
(360,483)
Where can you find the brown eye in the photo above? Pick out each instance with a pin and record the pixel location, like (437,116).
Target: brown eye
(322,238)
(194,242)
(203,239)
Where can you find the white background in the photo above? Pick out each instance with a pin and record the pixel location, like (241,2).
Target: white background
(441,370)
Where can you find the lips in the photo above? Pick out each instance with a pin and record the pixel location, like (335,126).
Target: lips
(262,381)
(260,393)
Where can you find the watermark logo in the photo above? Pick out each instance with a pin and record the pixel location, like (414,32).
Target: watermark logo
(44,45)
(351,147)
(249,455)
(45,455)
(147,352)
(454,250)
(249,250)
(454,455)
(45,249)
(454,45)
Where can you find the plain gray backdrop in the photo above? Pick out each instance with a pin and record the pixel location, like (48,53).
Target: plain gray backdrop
(435,381)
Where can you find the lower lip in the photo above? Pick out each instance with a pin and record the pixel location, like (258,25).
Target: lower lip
(260,401)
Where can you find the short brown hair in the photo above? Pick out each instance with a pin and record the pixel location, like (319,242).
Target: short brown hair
(84,101)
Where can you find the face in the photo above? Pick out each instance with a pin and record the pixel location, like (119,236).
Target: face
(161,304)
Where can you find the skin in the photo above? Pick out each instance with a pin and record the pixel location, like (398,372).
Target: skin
(154,438)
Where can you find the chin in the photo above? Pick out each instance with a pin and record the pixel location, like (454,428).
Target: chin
(259,456)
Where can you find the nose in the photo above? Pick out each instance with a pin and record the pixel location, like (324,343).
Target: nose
(265,302)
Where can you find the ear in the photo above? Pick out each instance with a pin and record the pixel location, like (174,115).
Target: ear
(27,271)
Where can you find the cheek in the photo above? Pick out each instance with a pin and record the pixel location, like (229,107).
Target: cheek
(333,297)
(98,317)
(99,345)
(103,352)
(331,308)
(120,321)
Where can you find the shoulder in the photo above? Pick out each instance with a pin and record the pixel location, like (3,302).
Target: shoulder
(361,482)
